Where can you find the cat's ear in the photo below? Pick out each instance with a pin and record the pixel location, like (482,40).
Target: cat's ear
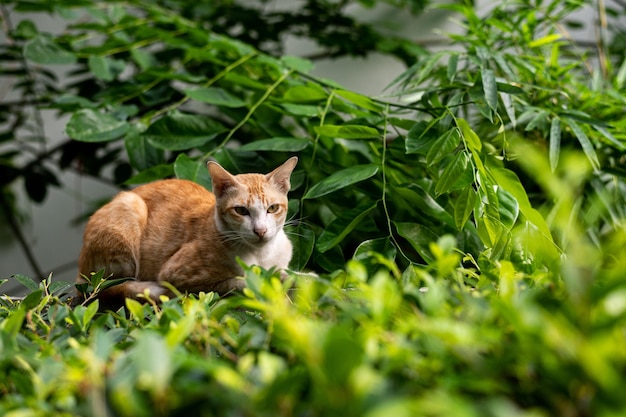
(280,176)
(222,180)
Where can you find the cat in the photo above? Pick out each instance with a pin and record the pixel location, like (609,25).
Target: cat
(177,231)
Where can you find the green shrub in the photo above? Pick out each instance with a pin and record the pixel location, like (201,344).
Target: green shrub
(467,229)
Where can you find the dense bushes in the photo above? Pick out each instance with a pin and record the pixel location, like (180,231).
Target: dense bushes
(466,230)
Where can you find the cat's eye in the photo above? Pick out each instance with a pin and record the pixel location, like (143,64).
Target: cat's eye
(273,208)
(242,211)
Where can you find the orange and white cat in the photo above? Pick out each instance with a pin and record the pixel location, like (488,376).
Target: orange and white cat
(179,232)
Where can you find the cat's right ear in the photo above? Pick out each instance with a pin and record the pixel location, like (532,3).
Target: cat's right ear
(222,180)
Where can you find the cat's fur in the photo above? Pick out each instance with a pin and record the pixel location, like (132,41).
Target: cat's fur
(179,232)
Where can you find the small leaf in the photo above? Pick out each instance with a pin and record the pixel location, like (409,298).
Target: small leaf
(191,169)
(454,170)
(214,95)
(179,131)
(555,142)
(360,100)
(276,145)
(31,300)
(464,206)
(297,63)
(452,67)
(27,282)
(545,40)
(490,88)
(585,143)
(339,228)
(305,94)
(421,137)
(44,50)
(443,146)
(341,179)
(348,131)
(89,125)
(105,68)
(471,138)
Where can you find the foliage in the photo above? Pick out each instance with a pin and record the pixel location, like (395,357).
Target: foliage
(465,228)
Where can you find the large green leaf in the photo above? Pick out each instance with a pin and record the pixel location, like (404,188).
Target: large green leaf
(464,205)
(455,175)
(339,228)
(276,144)
(180,131)
(44,50)
(89,125)
(214,95)
(421,138)
(348,131)
(342,179)
(303,240)
(141,154)
(419,236)
(191,169)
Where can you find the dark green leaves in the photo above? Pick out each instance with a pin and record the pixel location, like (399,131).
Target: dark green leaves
(348,131)
(179,131)
(341,179)
(193,170)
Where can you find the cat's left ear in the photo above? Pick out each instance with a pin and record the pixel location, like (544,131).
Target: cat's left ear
(280,176)
(222,180)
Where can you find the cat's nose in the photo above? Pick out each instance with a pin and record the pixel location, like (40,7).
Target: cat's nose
(260,231)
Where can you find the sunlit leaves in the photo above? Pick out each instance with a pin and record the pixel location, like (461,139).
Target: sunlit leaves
(89,125)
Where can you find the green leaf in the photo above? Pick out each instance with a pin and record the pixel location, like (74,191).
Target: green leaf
(419,236)
(421,137)
(341,179)
(276,145)
(89,125)
(44,50)
(360,100)
(31,300)
(191,169)
(471,138)
(179,131)
(508,208)
(154,173)
(454,170)
(214,95)
(381,246)
(297,63)
(105,68)
(548,39)
(141,154)
(585,143)
(305,110)
(452,67)
(303,240)
(27,282)
(305,94)
(464,205)
(339,228)
(555,142)
(348,131)
(443,146)
(490,88)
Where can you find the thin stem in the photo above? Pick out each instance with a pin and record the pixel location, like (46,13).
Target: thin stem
(253,109)
(384,194)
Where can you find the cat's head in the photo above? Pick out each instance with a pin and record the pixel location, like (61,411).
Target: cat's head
(251,208)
